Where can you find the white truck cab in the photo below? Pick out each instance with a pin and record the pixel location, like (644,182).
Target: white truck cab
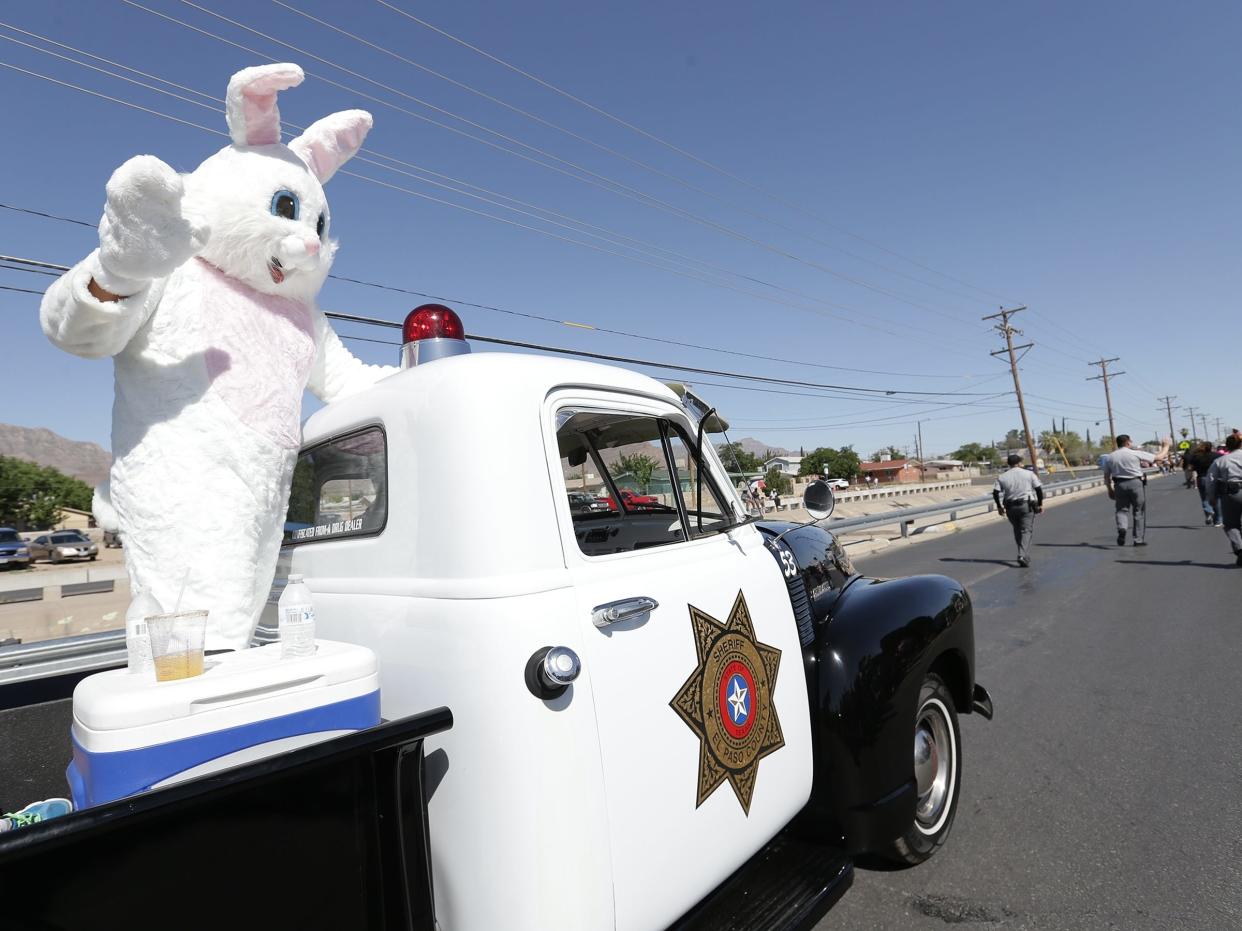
(595,808)
(430,516)
(662,712)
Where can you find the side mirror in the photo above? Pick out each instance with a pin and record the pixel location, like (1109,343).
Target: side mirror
(819,501)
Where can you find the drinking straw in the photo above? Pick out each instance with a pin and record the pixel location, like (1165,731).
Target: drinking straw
(184,580)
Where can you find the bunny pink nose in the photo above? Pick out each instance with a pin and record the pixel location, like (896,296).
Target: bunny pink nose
(312,246)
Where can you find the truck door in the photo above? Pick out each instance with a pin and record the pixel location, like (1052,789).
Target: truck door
(692,648)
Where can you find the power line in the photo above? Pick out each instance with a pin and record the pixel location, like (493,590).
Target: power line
(5,287)
(613,185)
(695,276)
(49,216)
(683,152)
(605,148)
(376,321)
(522,314)
(608,357)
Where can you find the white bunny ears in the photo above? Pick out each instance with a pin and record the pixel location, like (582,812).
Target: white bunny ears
(254,119)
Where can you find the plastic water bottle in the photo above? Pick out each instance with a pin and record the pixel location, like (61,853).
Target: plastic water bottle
(137,638)
(297,619)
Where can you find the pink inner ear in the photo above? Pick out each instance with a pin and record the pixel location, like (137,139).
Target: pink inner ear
(329,143)
(251,101)
(262,118)
(318,155)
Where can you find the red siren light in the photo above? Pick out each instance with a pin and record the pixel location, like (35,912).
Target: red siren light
(432,321)
(430,332)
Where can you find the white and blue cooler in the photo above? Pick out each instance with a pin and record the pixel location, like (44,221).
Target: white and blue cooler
(131,733)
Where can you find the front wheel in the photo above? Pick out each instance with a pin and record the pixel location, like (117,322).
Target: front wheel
(937,774)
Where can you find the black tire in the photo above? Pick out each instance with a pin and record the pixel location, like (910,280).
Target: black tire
(936,730)
(92,559)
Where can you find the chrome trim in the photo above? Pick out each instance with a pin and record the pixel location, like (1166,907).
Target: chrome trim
(560,666)
(428,350)
(624,610)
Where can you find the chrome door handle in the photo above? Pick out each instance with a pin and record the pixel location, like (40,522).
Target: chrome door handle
(624,610)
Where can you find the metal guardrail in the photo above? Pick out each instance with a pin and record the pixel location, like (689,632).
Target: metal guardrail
(27,661)
(84,653)
(908,516)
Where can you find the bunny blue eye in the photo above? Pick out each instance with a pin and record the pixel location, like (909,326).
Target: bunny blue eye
(321,225)
(285,204)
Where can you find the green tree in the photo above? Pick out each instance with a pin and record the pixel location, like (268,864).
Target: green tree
(778,481)
(1015,439)
(32,496)
(892,452)
(976,452)
(738,459)
(641,466)
(1073,444)
(835,463)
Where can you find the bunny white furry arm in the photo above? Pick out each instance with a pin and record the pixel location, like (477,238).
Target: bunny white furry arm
(78,322)
(337,372)
(203,291)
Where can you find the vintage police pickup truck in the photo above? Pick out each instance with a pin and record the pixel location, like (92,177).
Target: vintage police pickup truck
(673,715)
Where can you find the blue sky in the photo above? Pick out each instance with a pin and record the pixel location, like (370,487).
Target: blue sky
(909,168)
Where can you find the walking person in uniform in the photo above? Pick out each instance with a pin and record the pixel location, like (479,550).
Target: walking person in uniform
(1019,496)
(1224,481)
(1127,486)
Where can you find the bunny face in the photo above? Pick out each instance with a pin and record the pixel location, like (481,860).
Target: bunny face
(264,201)
(269,219)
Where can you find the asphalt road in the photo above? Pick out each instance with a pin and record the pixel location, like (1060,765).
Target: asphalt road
(1107,792)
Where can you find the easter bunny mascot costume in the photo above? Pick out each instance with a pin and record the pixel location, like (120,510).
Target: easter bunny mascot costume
(203,291)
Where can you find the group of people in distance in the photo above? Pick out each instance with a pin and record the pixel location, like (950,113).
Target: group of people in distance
(1217,473)
(1019,495)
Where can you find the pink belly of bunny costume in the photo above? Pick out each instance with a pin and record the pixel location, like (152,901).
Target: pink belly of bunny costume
(206,430)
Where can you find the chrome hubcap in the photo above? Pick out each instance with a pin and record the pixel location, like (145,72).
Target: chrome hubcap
(933,765)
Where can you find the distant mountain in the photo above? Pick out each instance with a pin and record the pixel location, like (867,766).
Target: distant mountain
(758,448)
(88,461)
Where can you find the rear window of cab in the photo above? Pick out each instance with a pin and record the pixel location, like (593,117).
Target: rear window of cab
(340,489)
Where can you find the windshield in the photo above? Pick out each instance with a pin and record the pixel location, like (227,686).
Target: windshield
(10,536)
(71,536)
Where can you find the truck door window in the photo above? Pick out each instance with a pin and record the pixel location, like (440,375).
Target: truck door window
(629,482)
(340,488)
(704,505)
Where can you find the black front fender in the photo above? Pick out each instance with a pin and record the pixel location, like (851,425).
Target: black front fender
(870,656)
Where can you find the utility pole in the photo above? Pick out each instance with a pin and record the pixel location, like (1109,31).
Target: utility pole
(1008,331)
(922,463)
(1206,435)
(1168,406)
(1108,398)
(1193,428)
(1220,431)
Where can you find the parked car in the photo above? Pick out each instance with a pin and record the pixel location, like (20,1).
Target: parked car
(838,483)
(636,502)
(111,539)
(14,551)
(582,503)
(62,545)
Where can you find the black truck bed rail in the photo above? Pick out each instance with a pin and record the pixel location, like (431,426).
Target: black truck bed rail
(333,835)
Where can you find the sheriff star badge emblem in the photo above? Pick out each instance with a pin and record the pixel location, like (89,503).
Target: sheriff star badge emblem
(727,702)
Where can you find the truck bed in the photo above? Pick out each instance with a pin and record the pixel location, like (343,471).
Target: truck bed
(34,751)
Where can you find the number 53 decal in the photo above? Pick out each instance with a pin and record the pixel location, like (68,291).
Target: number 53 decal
(788,565)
